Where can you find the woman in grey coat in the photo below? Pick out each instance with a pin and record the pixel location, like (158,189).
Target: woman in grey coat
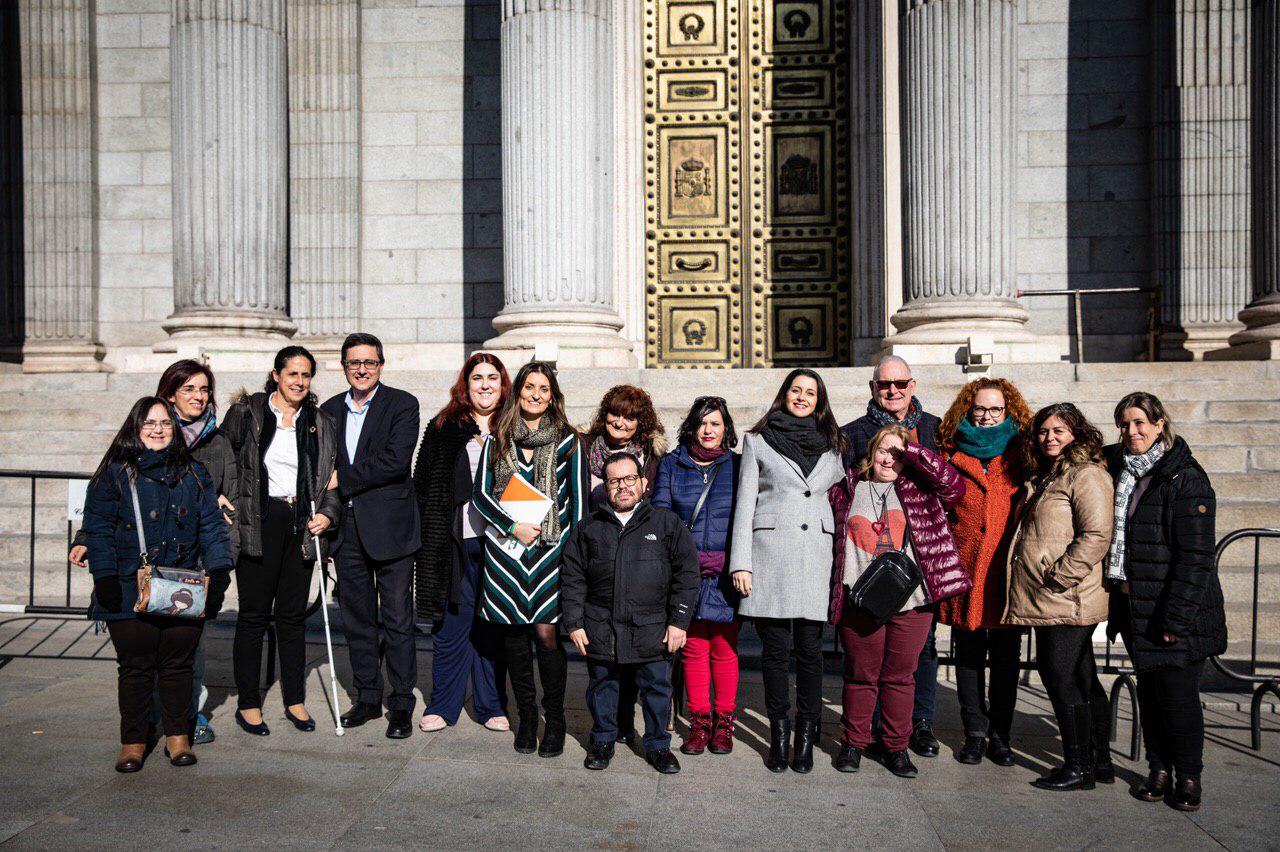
(780,554)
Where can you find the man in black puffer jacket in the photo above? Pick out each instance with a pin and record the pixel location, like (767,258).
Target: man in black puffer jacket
(1166,598)
(628,586)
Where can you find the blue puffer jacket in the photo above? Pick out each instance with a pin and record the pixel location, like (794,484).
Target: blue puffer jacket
(181,522)
(679,482)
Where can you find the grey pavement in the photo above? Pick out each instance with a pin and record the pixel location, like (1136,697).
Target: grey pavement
(465,788)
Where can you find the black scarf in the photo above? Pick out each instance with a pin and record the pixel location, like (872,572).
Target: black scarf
(797,438)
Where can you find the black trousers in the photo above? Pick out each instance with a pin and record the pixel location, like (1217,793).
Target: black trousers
(272,587)
(986,707)
(369,591)
(1173,719)
(776,635)
(652,682)
(518,644)
(154,653)
(1064,659)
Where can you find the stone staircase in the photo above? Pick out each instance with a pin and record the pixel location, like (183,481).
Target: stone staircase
(1228,412)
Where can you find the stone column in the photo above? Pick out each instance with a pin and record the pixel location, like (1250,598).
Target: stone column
(1201,159)
(230,196)
(957,71)
(557,216)
(627,146)
(324,168)
(60,307)
(1261,337)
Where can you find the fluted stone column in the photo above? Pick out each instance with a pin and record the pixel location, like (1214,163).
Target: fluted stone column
(1261,337)
(1201,159)
(230,193)
(58,195)
(627,146)
(557,217)
(957,76)
(324,168)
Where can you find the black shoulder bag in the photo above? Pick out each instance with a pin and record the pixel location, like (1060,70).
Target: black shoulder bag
(885,587)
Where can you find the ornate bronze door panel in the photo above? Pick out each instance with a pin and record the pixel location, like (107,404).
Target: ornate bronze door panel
(746,177)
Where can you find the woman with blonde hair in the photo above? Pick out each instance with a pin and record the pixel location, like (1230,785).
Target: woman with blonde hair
(1055,585)
(982,436)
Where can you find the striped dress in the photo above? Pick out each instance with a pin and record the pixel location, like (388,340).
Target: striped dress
(526,590)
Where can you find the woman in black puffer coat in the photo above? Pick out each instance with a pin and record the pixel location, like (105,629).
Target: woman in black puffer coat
(1166,600)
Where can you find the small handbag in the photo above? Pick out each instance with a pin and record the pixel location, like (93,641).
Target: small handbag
(887,584)
(179,592)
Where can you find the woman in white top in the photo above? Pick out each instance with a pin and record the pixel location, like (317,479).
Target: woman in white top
(450,563)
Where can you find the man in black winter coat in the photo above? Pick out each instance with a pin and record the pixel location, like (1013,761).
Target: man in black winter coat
(628,586)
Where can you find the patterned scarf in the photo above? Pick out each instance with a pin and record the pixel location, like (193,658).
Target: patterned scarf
(1135,467)
(600,452)
(543,442)
(884,418)
(196,431)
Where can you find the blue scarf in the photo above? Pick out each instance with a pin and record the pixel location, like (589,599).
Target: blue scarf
(985,442)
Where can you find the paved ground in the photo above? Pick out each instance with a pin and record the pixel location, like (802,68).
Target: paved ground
(465,788)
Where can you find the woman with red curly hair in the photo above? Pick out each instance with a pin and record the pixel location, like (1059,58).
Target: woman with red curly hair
(450,563)
(982,436)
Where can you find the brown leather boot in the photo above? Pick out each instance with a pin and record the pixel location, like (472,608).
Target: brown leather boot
(699,734)
(131,757)
(178,750)
(722,738)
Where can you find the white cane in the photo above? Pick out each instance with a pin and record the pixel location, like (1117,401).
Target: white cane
(328,637)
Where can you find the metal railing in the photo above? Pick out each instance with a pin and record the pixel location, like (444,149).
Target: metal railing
(30,607)
(1077,331)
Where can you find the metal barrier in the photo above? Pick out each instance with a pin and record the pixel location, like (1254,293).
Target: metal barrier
(30,607)
(1262,684)
(1077,331)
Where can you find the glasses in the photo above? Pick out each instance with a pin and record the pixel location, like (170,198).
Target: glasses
(157,426)
(900,384)
(356,365)
(628,481)
(983,411)
(192,390)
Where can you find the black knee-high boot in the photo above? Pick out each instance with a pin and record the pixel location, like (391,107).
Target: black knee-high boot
(518,655)
(1076,772)
(553,670)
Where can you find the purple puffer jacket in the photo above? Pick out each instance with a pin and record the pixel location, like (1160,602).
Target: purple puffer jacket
(927,487)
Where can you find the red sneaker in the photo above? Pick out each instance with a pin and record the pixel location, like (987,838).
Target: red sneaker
(699,734)
(722,739)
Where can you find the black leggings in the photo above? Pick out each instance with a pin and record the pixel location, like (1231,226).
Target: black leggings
(987,712)
(1064,659)
(154,652)
(553,668)
(272,586)
(775,662)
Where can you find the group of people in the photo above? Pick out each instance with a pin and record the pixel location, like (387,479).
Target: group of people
(514,531)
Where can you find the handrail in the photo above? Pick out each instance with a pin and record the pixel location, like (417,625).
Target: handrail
(1077,297)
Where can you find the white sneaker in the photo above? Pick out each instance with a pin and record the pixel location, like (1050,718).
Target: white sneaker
(498,723)
(431,722)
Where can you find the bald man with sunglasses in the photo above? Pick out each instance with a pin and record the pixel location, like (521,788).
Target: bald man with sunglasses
(893,401)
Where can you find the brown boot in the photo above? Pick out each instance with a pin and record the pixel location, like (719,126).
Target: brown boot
(699,734)
(722,739)
(178,750)
(131,756)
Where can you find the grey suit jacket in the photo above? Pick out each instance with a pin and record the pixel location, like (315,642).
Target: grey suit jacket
(782,533)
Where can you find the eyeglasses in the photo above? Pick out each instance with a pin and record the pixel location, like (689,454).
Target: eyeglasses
(356,365)
(628,481)
(900,384)
(192,390)
(157,426)
(983,411)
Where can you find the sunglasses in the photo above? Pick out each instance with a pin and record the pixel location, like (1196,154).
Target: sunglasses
(900,384)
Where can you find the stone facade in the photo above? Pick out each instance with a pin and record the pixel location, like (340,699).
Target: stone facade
(451,165)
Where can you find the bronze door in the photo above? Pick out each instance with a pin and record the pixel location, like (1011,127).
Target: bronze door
(746,182)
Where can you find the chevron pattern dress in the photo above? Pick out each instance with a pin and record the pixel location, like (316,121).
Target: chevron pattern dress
(526,590)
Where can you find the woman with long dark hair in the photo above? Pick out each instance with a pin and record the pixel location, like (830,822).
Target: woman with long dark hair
(286,448)
(697,481)
(1055,585)
(780,553)
(451,560)
(533,458)
(982,436)
(148,474)
(1166,598)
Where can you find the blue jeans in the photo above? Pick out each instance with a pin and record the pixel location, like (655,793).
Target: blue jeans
(463,650)
(653,683)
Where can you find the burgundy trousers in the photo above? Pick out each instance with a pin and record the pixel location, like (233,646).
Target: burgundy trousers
(880,664)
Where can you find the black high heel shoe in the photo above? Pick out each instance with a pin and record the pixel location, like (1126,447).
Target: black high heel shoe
(300,724)
(258,730)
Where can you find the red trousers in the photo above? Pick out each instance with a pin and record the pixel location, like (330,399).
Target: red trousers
(880,663)
(711,656)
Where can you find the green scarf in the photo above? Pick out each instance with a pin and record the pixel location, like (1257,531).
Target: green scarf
(985,442)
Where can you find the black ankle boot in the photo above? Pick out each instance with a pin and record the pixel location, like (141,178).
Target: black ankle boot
(1076,772)
(527,731)
(779,745)
(802,752)
(552,738)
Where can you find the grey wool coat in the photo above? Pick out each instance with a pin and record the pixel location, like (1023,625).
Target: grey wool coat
(783,531)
